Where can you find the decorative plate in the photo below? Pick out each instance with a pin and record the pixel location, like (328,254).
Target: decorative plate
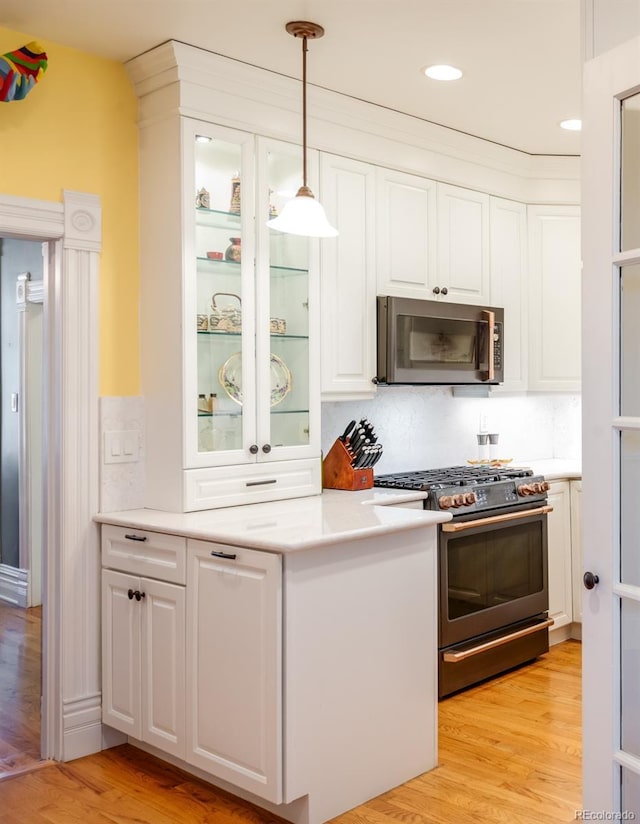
(230,377)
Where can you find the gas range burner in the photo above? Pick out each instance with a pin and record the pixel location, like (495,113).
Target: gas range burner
(450,476)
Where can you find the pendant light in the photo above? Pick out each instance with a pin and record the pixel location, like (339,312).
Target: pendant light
(303,215)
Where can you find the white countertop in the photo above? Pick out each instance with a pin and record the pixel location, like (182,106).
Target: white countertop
(555,469)
(291,525)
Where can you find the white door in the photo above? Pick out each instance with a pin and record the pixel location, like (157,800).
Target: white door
(611,408)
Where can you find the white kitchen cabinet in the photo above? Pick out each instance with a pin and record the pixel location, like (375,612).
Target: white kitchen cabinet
(406,257)
(576,548)
(143,659)
(554,295)
(230,321)
(463,245)
(508,227)
(559,553)
(234,666)
(347,277)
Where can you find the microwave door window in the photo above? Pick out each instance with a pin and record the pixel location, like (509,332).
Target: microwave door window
(436,343)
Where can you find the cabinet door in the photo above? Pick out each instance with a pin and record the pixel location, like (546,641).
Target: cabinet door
(163,639)
(576,548)
(219,404)
(406,234)
(463,244)
(559,531)
(234,666)
(347,277)
(509,286)
(287,315)
(555,291)
(121,693)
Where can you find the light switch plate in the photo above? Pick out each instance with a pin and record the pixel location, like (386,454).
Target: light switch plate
(121,446)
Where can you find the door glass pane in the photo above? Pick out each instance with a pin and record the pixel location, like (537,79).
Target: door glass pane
(630,174)
(629,341)
(218,251)
(630,676)
(629,509)
(288,310)
(630,801)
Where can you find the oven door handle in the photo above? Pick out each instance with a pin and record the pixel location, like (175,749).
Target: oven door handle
(460,526)
(491,324)
(456,657)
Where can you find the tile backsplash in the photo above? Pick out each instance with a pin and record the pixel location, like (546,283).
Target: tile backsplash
(425,427)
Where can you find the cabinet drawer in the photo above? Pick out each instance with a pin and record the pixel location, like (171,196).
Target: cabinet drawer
(144,553)
(232,485)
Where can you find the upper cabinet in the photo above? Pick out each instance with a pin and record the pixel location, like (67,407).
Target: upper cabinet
(509,286)
(463,245)
(347,273)
(433,239)
(406,233)
(230,317)
(554,297)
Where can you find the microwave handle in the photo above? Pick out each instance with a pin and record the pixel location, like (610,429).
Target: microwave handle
(491,320)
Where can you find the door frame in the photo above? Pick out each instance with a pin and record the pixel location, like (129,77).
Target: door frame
(72,229)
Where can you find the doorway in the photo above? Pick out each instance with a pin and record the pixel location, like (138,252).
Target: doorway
(21,497)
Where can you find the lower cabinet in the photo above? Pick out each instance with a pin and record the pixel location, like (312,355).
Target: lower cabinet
(143,659)
(565,554)
(234,666)
(559,533)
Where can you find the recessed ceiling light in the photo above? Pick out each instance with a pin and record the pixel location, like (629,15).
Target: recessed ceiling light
(571,125)
(443,72)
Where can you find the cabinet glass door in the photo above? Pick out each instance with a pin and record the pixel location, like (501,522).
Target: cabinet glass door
(284,308)
(221,302)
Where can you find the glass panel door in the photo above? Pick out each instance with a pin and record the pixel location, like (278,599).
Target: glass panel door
(222,298)
(284,348)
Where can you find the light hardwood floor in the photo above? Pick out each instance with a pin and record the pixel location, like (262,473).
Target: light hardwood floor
(510,751)
(20,687)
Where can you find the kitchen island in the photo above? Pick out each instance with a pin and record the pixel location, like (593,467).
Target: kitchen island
(283,651)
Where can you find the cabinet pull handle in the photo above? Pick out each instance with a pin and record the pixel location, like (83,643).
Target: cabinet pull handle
(261,483)
(229,555)
(139,594)
(130,594)
(136,537)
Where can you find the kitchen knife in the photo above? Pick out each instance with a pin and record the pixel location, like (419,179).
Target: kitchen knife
(358,439)
(347,431)
(378,454)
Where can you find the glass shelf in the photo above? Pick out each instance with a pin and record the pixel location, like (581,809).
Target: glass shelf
(238,334)
(217,219)
(222,414)
(226,267)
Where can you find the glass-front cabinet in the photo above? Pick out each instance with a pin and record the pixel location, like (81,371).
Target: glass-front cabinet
(249,318)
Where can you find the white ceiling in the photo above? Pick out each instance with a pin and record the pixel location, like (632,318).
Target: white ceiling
(521,58)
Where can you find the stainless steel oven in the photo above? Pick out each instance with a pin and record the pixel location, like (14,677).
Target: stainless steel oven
(493,595)
(492,568)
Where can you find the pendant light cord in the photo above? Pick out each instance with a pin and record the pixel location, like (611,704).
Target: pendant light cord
(304,111)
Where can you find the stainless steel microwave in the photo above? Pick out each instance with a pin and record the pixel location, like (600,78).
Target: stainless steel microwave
(433,342)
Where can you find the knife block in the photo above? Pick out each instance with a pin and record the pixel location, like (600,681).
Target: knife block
(337,472)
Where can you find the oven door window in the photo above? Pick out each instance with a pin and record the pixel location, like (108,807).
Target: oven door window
(494,567)
(438,343)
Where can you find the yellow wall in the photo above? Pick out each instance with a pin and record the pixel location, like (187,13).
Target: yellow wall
(77,130)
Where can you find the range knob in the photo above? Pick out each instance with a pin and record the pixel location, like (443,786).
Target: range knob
(445,501)
(540,486)
(470,498)
(524,490)
(455,501)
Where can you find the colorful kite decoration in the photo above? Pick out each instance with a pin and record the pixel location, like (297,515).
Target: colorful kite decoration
(20,70)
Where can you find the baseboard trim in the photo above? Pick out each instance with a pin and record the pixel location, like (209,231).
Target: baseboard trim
(14,585)
(82,727)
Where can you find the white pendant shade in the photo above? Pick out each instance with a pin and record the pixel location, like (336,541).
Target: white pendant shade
(303,215)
